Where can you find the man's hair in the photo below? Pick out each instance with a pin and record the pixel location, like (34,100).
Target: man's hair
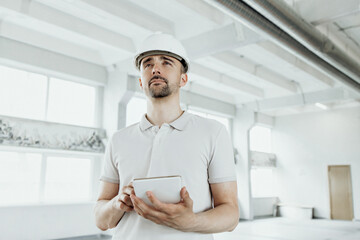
(183,64)
(183,69)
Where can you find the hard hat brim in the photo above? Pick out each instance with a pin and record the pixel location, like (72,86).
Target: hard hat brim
(143,55)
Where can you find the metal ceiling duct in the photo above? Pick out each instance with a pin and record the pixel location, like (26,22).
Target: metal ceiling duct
(304,37)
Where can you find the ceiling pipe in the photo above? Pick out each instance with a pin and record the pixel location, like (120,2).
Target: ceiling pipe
(288,20)
(242,12)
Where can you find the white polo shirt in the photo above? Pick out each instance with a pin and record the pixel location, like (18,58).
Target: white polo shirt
(198,149)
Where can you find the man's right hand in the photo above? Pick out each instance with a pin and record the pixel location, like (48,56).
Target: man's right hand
(122,201)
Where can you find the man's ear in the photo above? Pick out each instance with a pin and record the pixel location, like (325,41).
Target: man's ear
(183,80)
(140,83)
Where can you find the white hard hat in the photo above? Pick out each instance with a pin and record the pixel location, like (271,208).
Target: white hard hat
(160,43)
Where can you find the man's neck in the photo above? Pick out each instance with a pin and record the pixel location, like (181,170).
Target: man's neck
(163,110)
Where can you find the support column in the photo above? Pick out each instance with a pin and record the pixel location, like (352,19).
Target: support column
(242,124)
(116,97)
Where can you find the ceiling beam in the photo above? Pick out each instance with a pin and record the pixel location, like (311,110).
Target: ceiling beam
(39,60)
(317,14)
(296,62)
(133,13)
(222,39)
(257,70)
(69,22)
(324,96)
(197,88)
(226,80)
(41,40)
(205,10)
(214,105)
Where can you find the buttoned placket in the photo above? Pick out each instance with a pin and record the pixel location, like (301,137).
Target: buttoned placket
(156,153)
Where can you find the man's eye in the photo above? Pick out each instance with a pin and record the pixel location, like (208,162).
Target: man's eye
(167,63)
(147,65)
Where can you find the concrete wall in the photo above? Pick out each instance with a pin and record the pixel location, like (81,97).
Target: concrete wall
(305,145)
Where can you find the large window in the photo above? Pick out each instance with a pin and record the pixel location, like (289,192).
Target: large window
(262,182)
(31,178)
(22,94)
(35,96)
(43,177)
(67,179)
(222,120)
(262,179)
(71,103)
(260,139)
(135,109)
(19,177)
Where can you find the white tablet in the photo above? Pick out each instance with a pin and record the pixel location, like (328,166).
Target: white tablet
(166,189)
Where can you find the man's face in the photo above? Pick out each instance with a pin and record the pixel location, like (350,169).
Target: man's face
(161,76)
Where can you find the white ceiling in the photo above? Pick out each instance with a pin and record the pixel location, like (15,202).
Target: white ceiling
(229,62)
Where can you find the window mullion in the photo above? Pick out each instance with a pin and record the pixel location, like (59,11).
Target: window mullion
(43,178)
(47,98)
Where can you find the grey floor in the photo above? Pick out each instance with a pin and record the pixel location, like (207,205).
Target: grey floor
(281,229)
(89,237)
(291,229)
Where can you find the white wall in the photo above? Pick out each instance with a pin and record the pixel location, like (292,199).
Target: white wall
(305,145)
(47,221)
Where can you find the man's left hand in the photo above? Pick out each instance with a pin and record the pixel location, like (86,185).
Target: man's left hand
(179,216)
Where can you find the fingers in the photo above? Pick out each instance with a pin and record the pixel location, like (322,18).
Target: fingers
(137,208)
(129,189)
(155,202)
(118,204)
(145,210)
(125,199)
(184,194)
(125,208)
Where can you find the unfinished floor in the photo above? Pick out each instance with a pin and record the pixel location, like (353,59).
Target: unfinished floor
(291,229)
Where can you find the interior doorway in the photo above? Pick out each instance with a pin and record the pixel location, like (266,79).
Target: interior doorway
(341,202)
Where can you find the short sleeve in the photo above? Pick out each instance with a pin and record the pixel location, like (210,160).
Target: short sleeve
(110,171)
(221,166)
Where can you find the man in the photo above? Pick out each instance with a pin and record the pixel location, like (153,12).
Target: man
(168,141)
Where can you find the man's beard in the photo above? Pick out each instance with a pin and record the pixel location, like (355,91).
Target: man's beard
(160,92)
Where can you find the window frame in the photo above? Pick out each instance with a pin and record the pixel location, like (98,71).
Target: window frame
(98,106)
(94,157)
(95,166)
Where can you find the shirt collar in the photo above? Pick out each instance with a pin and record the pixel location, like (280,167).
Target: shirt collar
(178,124)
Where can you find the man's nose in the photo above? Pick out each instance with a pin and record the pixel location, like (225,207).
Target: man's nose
(156,68)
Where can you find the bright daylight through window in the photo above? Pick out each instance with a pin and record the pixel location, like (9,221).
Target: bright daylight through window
(27,101)
(262,178)
(260,139)
(67,179)
(71,103)
(43,179)
(33,178)
(65,102)
(135,109)
(224,121)
(19,178)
